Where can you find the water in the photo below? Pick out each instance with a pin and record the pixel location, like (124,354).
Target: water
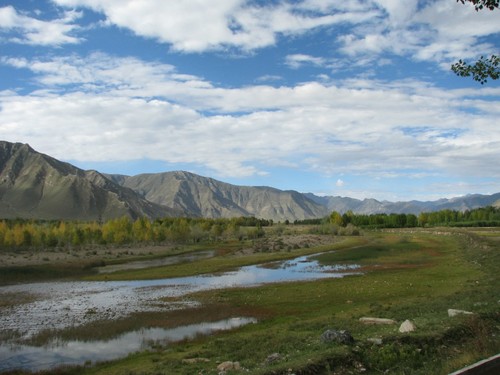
(59,305)
(57,353)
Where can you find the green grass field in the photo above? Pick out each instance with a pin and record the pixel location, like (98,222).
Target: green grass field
(416,275)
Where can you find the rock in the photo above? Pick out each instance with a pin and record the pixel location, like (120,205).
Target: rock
(370,320)
(275,357)
(407,326)
(375,340)
(195,360)
(454,312)
(228,365)
(341,337)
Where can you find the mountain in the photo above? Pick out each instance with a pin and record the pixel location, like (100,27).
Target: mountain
(206,197)
(373,206)
(34,185)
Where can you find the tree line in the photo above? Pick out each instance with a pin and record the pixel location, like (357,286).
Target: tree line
(21,233)
(478,217)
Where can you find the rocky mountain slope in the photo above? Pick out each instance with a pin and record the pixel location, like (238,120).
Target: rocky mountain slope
(202,196)
(373,206)
(34,185)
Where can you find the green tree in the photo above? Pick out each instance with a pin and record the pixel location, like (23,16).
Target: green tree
(485,67)
(336,218)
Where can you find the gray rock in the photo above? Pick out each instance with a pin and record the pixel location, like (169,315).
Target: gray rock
(341,337)
(407,326)
(272,358)
(454,312)
(227,366)
(370,320)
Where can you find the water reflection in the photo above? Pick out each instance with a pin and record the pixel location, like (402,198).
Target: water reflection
(58,353)
(64,304)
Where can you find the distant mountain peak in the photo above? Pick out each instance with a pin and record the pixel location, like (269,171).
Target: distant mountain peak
(35,185)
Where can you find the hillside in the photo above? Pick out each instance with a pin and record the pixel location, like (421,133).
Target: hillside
(202,196)
(34,185)
(373,206)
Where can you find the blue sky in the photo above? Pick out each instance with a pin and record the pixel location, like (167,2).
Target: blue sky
(350,98)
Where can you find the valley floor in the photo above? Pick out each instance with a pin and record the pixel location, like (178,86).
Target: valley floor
(415,275)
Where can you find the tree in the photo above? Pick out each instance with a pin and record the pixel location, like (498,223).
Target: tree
(336,218)
(484,68)
(481,4)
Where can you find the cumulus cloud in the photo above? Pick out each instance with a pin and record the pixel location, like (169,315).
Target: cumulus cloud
(90,111)
(190,26)
(439,31)
(23,29)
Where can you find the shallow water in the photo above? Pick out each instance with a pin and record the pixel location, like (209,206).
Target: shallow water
(57,353)
(59,305)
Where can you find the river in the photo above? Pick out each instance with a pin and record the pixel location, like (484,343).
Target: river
(59,305)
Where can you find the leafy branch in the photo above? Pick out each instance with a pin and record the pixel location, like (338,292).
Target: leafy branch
(481,4)
(483,69)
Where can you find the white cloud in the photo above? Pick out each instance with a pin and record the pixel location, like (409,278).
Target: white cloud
(91,111)
(217,24)
(298,60)
(28,30)
(441,31)
(339,183)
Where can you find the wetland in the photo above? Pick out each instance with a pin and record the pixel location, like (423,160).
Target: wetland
(186,309)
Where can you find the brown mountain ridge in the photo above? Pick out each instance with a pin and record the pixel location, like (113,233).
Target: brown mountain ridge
(35,185)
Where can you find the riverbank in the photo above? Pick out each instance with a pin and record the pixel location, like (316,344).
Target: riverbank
(412,276)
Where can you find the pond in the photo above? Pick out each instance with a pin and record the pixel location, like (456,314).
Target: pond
(75,352)
(60,305)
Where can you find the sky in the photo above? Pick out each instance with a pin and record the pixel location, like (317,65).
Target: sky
(343,98)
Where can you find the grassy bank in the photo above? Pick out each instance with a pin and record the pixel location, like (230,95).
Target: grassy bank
(416,275)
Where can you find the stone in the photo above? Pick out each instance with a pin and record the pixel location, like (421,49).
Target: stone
(370,320)
(454,312)
(195,360)
(407,326)
(341,337)
(272,358)
(228,365)
(375,340)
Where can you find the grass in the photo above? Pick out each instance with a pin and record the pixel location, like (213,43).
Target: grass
(414,275)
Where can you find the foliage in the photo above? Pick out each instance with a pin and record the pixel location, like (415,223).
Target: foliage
(481,4)
(68,234)
(484,68)
(480,217)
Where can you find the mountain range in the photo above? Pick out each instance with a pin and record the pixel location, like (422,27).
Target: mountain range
(35,185)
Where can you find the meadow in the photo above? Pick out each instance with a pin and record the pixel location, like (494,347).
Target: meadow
(415,274)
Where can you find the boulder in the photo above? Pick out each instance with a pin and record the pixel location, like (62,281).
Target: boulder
(407,326)
(341,337)
(454,312)
(272,358)
(227,366)
(370,320)
(375,340)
